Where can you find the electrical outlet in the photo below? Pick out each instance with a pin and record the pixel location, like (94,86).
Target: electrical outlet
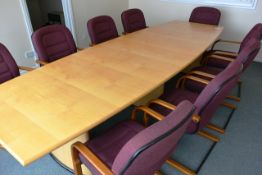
(30,54)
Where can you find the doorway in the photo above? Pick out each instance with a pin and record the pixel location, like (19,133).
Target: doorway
(39,13)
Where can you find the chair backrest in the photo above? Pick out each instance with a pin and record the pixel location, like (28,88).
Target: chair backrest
(8,66)
(214,94)
(101,29)
(53,42)
(133,20)
(205,15)
(249,52)
(147,151)
(255,32)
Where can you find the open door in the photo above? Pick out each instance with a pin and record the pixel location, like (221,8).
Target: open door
(38,13)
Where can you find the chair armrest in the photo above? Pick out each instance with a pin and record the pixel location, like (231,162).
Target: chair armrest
(219,58)
(224,41)
(148,111)
(195,118)
(79,49)
(26,68)
(163,103)
(181,81)
(41,62)
(202,74)
(79,147)
(225,53)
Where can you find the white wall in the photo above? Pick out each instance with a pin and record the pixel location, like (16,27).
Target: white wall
(13,31)
(87,9)
(237,22)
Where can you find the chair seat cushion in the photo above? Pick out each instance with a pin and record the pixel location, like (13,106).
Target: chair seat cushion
(174,97)
(197,87)
(218,63)
(107,145)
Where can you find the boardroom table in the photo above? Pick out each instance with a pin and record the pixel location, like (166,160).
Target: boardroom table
(52,105)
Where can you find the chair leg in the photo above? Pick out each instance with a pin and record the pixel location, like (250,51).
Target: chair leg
(229,105)
(215,128)
(180,167)
(76,162)
(235,98)
(208,136)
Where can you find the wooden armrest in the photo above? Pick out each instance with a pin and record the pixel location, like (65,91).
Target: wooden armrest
(190,77)
(148,111)
(225,53)
(224,41)
(195,118)
(163,103)
(78,147)
(41,62)
(230,41)
(202,74)
(158,173)
(220,58)
(79,49)
(26,68)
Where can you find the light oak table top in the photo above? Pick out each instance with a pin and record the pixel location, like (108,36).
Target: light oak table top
(44,109)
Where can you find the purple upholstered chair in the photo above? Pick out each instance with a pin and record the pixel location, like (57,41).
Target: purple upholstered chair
(133,20)
(246,56)
(131,149)
(206,103)
(53,42)
(205,15)
(101,29)
(208,100)
(219,58)
(8,66)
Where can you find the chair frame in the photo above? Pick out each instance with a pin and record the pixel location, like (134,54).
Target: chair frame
(181,84)
(79,147)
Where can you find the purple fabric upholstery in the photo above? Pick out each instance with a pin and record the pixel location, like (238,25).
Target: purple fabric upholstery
(175,98)
(255,32)
(205,15)
(246,56)
(101,29)
(53,42)
(196,86)
(108,145)
(130,149)
(210,97)
(133,20)
(215,92)
(8,66)
(249,52)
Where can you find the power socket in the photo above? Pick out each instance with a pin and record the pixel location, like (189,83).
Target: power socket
(30,54)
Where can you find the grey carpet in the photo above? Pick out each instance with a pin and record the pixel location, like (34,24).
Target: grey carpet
(238,153)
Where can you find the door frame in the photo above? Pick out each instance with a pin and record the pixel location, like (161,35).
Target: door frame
(68,15)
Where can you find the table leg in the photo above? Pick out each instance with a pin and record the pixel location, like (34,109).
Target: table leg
(63,154)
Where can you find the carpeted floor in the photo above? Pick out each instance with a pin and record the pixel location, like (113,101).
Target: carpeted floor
(238,153)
